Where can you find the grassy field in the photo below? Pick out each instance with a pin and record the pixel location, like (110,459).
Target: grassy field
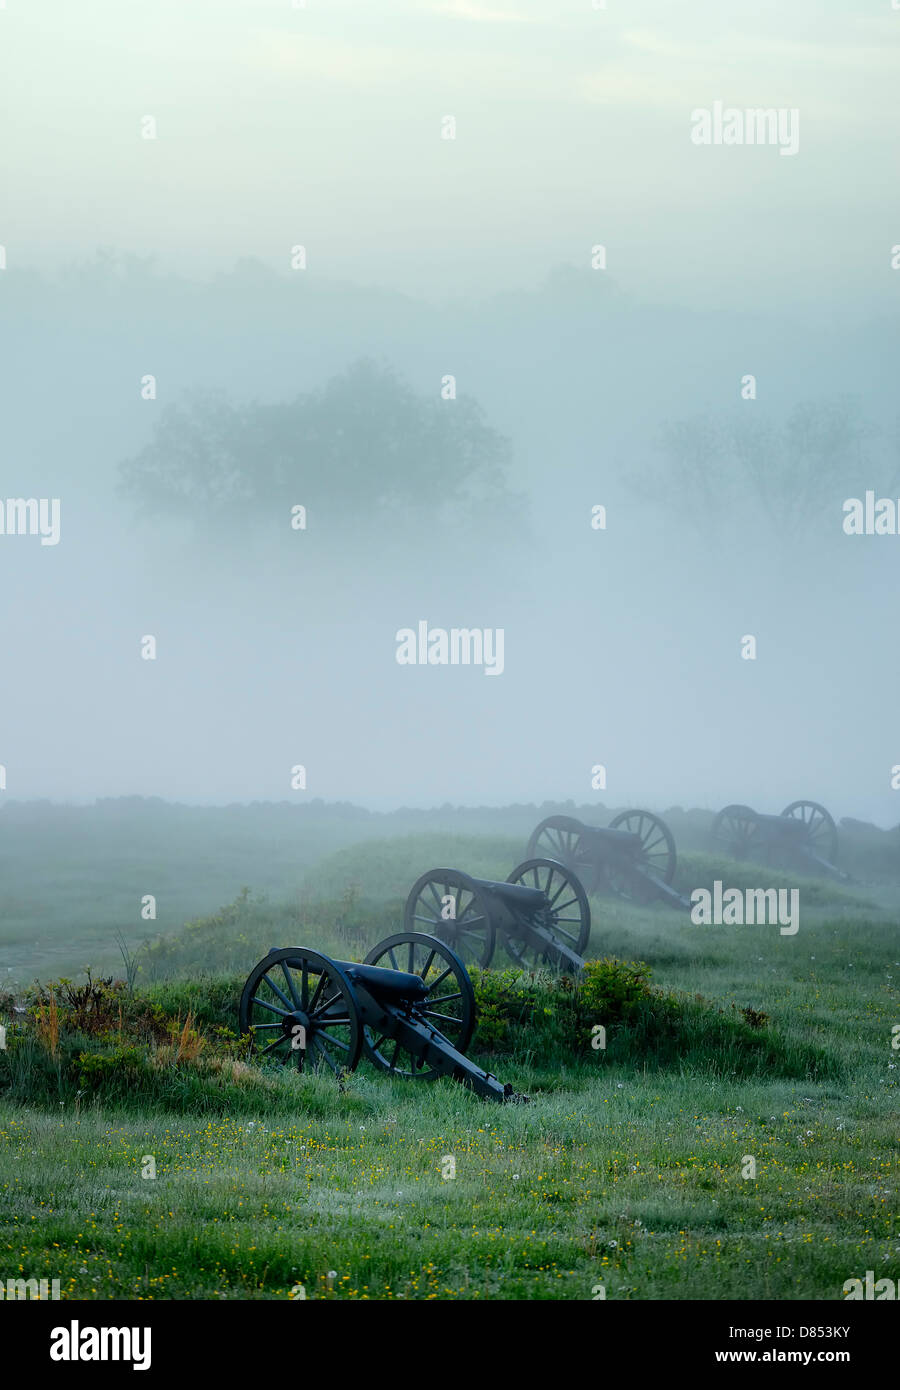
(627,1169)
(74,876)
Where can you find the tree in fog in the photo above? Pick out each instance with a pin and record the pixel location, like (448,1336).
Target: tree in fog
(747,468)
(363,447)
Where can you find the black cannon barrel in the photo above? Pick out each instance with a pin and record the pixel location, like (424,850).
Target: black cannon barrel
(783,827)
(385,984)
(604,836)
(517,895)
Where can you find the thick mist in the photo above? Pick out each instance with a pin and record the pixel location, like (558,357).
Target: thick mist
(450,379)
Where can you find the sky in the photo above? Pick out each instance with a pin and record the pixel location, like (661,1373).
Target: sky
(321,125)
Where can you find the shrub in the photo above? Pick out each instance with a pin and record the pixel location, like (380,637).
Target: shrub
(610,990)
(504,1001)
(123,1062)
(550,1011)
(93,1007)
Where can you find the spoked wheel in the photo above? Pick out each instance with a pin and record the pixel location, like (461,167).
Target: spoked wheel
(557,837)
(300,1009)
(450,1007)
(567,919)
(736,831)
(656,856)
(562,838)
(449,904)
(821,831)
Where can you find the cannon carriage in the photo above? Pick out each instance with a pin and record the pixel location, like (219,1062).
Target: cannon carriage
(409,1008)
(633,857)
(541,914)
(804,835)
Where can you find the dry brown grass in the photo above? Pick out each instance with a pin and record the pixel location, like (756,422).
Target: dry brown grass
(190,1043)
(47,1024)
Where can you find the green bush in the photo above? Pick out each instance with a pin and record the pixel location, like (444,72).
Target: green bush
(507,1001)
(610,990)
(122,1062)
(552,1015)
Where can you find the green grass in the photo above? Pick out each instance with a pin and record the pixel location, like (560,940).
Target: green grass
(627,1179)
(625,1169)
(74,876)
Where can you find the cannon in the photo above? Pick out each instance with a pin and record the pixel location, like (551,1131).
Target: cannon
(804,834)
(633,857)
(409,1008)
(541,914)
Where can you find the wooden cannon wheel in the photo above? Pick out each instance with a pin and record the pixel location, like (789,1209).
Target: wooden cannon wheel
(736,831)
(296,989)
(450,1007)
(567,919)
(657,854)
(450,905)
(561,838)
(821,831)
